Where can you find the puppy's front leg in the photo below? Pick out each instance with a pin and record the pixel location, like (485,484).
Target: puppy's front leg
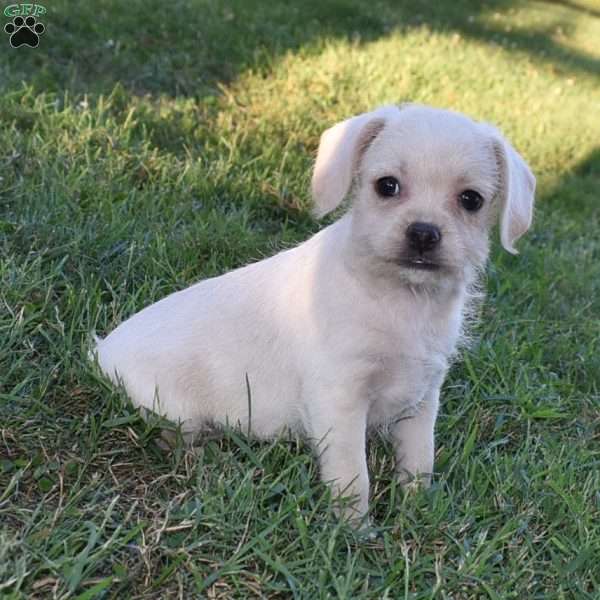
(413,440)
(339,434)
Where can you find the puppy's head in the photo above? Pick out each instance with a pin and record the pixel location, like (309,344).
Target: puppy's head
(428,186)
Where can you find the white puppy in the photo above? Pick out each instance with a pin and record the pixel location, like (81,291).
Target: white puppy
(356,326)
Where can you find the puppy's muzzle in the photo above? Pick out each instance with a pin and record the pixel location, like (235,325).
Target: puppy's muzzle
(423,237)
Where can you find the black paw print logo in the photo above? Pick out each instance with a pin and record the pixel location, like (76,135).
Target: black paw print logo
(24,32)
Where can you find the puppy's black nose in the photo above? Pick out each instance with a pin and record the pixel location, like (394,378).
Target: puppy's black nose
(423,236)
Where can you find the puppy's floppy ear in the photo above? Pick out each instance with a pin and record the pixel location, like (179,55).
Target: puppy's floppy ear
(517,189)
(340,150)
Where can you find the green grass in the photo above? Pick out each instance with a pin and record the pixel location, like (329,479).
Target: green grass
(145,145)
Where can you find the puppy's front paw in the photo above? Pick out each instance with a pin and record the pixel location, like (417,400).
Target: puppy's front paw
(369,533)
(413,480)
(351,510)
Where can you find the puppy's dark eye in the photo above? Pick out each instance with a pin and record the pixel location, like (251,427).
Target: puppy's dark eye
(387,186)
(471,200)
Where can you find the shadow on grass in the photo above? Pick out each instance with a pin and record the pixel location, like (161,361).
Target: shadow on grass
(576,195)
(187,48)
(585,10)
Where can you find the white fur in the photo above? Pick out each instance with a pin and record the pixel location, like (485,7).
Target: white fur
(334,335)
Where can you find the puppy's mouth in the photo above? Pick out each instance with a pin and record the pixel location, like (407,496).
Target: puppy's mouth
(419,263)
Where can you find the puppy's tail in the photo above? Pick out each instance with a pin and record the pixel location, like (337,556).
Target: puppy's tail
(96,354)
(92,352)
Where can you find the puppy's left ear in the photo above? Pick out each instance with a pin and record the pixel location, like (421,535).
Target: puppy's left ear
(516,193)
(340,150)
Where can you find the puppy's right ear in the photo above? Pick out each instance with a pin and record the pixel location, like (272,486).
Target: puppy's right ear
(340,150)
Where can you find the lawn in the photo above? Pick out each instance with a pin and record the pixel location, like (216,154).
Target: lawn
(145,145)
